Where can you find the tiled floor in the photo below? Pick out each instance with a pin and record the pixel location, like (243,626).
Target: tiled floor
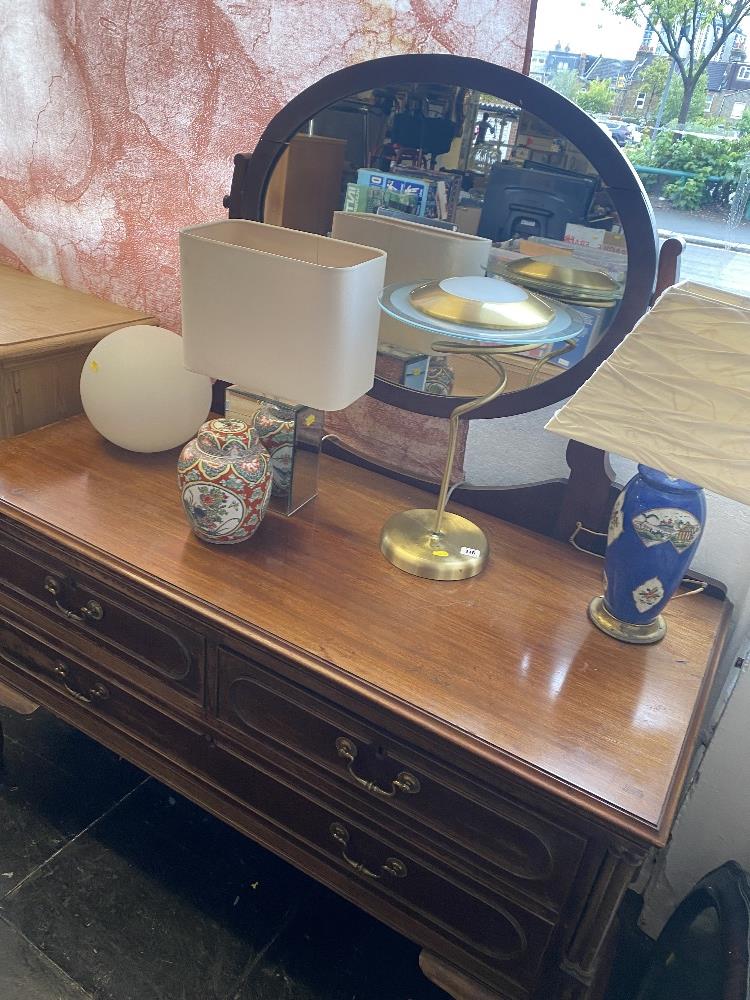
(114,888)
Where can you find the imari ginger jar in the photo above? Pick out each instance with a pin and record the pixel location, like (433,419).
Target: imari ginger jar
(225,481)
(654,530)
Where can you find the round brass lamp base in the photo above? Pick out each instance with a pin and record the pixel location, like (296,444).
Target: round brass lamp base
(458,551)
(625,631)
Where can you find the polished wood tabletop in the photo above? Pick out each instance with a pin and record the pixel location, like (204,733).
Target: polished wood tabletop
(506,662)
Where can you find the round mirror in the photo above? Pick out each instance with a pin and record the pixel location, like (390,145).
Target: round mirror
(458,167)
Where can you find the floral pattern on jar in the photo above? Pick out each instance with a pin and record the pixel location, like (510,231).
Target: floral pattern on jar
(275,424)
(225,481)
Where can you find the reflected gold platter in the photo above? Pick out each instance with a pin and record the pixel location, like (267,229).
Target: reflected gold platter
(514,308)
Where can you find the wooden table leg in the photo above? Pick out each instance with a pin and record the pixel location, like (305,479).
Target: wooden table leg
(593,940)
(9,698)
(455,983)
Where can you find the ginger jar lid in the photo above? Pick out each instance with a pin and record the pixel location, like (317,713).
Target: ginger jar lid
(227,438)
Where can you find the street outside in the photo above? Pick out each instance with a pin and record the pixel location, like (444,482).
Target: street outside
(721,268)
(712,260)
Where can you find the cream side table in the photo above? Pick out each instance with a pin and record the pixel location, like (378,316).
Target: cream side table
(46,332)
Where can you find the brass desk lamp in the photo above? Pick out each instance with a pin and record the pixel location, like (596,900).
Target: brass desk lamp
(489,318)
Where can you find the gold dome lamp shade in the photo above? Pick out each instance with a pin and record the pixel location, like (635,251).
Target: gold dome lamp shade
(473,301)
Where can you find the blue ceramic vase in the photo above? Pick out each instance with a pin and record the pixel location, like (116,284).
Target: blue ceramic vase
(654,530)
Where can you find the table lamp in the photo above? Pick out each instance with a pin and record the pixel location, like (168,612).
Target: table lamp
(675,397)
(487,318)
(292,319)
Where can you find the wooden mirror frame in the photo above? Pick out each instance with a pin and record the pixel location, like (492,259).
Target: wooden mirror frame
(252,173)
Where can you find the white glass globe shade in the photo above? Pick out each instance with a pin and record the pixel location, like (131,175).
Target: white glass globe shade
(137,393)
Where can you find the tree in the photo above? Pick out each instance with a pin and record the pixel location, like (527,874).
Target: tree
(598,97)
(674,102)
(652,81)
(566,82)
(691,32)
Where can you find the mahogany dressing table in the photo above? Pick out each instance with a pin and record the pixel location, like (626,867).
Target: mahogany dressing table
(473,763)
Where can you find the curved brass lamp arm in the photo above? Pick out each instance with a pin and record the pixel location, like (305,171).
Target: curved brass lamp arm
(567,346)
(486,354)
(450,347)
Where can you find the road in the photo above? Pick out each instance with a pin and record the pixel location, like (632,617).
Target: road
(706,225)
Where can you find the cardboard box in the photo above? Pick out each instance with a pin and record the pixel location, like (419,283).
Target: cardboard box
(585,236)
(467,219)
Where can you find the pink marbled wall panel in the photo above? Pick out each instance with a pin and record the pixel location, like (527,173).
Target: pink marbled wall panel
(120,120)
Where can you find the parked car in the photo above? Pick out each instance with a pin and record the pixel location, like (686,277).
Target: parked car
(623,133)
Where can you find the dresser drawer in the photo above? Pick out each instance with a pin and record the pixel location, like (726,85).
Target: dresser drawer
(90,697)
(369,865)
(486,831)
(497,933)
(105,624)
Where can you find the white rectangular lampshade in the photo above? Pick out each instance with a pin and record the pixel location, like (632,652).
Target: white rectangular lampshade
(675,394)
(288,315)
(416,252)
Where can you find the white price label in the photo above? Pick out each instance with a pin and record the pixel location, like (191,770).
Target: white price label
(466,551)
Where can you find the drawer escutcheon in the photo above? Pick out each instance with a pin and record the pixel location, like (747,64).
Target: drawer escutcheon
(391,866)
(403,782)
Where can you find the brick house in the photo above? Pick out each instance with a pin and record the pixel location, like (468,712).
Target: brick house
(729,91)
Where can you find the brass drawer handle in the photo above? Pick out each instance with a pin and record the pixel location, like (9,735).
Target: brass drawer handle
(97,692)
(92,611)
(391,866)
(403,782)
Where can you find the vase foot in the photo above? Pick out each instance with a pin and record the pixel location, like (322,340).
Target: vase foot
(626,631)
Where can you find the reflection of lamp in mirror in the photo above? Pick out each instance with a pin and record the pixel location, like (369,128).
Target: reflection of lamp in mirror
(486,318)
(675,396)
(292,319)
(561,276)
(415,253)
